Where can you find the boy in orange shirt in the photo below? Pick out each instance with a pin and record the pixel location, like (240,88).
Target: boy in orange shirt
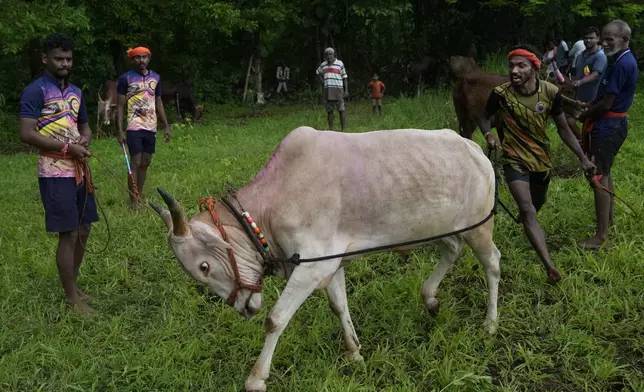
(377,89)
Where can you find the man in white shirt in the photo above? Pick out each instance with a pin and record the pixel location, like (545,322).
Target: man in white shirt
(333,76)
(574,53)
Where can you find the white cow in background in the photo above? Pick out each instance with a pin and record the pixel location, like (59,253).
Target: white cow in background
(325,193)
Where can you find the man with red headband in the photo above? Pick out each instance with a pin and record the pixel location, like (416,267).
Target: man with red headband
(524,105)
(141,91)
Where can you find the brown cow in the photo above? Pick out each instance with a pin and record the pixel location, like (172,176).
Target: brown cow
(107,106)
(470,91)
(181,95)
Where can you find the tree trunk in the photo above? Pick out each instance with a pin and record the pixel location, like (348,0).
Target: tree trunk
(35,62)
(258,79)
(250,63)
(118,57)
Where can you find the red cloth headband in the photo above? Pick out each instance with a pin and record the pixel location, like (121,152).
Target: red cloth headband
(527,54)
(139,50)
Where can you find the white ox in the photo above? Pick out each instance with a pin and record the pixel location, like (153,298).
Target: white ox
(324,193)
(106,114)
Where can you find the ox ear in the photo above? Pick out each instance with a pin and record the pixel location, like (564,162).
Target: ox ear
(164,214)
(208,235)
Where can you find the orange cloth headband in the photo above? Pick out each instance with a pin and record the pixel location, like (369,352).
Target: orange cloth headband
(139,50)
(527,54)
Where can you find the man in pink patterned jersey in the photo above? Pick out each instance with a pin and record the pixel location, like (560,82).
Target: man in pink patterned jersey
(53,118)
(140,89)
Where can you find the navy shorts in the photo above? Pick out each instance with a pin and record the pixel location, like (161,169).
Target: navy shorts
(141,141)
(604,147)
(64,202)
(514,172)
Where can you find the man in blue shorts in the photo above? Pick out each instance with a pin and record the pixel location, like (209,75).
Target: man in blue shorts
(53,118)
(605,121)
(140,89)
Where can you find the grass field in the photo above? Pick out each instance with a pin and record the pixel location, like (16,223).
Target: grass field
(155,330)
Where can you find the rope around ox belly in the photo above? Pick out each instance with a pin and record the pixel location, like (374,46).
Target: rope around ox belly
(295,258)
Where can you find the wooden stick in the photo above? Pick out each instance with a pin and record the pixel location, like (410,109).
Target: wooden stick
(573,101)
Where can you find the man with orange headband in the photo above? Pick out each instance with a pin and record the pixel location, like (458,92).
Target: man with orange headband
(605,121)
(524,105)
(141,91)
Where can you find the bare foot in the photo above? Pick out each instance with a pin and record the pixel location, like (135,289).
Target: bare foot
(594,243)
(554,276)
(79,305)
(81,294)
(133,205)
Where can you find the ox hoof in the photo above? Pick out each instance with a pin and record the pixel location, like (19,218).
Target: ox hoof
(490,326)
(253,385)
(433,305)
(354,356)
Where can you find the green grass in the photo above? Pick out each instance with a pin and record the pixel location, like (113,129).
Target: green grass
(156,330)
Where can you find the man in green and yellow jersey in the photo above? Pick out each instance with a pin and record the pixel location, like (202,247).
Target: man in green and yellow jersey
(523,106)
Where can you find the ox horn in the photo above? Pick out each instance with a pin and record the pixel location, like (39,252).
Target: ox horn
(180,226)
(163,213)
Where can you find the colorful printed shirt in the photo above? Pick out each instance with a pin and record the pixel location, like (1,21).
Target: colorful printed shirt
(59,110)
(141,92)
(522,123)
(333,74)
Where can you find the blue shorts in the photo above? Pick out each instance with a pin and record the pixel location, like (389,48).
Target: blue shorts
(64,202)
(606,139)
(141,141)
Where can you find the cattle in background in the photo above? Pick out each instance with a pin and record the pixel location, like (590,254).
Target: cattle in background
(422,72)
(106,115)
(471,88)
(181,95)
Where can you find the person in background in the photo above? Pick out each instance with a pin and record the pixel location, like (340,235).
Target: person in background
(332,74)
(573,54)
(548,58)
(377,89)
(140,89)
(606,122)
(591,64)
(561,56)
(283,76)
(53,118)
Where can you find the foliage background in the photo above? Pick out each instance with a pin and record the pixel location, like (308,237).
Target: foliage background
(209,43)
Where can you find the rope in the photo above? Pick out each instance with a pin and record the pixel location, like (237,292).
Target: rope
(89,185)
(119,182)
(495,164)
(295,258)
